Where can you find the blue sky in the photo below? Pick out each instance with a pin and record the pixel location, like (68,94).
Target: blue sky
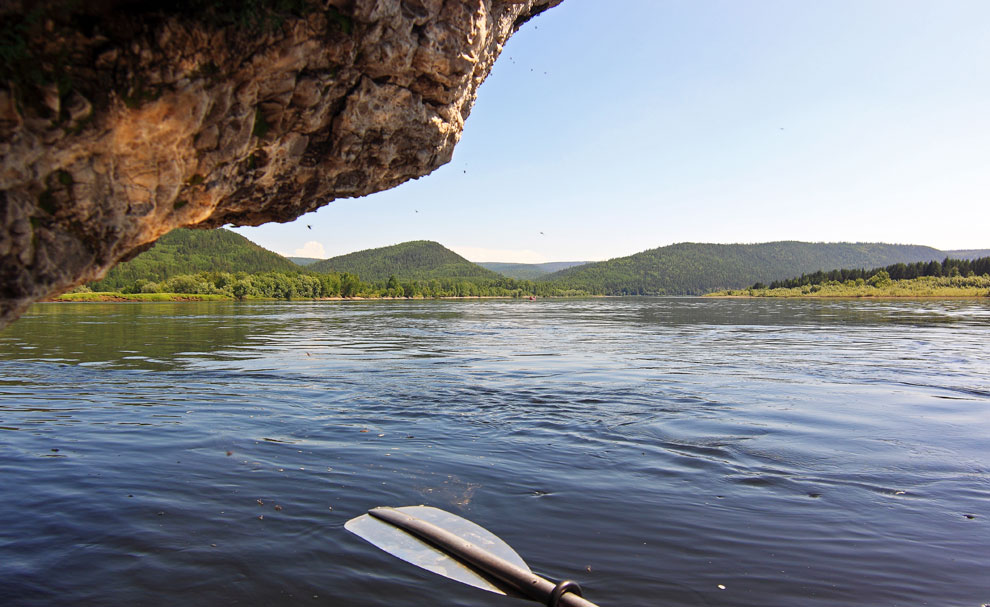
(608,128)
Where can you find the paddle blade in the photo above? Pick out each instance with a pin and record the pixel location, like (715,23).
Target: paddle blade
(401,544)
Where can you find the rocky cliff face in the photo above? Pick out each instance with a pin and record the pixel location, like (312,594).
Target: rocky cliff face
(122,120)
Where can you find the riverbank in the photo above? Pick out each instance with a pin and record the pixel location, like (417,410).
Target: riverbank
(109,296)
(113,296)
(924,287)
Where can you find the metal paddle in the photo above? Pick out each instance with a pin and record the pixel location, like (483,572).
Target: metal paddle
(456,548)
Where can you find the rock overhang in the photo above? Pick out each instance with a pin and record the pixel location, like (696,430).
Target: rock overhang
(121,124)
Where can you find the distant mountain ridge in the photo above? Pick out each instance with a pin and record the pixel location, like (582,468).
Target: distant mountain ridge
(967,253)
(680,269)
(414,260)
(528,271)
(304,261)
(697,268)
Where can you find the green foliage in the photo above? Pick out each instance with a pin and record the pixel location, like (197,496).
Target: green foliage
(880,279)
(188,284)
(303,261)
(968,253)
(241,289)
(878,286)
(225,265)
(416,260)
(282,285)
(529,271)
(117,296)
(350,285)
(191,251)
(696,268)
(897,271)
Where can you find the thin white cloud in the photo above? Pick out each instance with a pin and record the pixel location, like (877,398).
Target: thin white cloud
(477,254)
(311,249)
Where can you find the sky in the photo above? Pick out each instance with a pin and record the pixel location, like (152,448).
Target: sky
(609,128)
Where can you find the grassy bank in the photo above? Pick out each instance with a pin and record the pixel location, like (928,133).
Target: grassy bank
(113,296)
(927,286)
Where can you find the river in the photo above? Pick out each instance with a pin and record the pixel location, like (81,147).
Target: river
(661,451)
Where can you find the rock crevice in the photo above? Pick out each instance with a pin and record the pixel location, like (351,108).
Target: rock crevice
(196,122)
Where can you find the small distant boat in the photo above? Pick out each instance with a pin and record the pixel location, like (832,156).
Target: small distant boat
(532,298)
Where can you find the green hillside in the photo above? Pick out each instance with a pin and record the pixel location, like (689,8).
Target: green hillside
(416,260)
(967,253)
(427,267)
(304,261)
(192,251)
(528,271)
(697,268)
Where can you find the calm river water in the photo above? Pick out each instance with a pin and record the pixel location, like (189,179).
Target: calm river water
(670,452)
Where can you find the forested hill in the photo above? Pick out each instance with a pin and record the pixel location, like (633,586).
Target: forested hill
(191,251)
(528,271)
(304,261)
(967,253)
(416,260)
(698,268)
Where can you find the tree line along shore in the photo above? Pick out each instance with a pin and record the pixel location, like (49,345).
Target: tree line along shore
(222,265)
(274,286)
(213,286)
(948,278)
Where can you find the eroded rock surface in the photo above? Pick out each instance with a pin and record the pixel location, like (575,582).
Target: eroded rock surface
(134,125)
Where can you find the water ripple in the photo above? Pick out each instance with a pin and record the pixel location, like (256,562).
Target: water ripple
(818,453)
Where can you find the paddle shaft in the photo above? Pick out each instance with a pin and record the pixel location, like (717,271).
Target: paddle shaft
(526,582)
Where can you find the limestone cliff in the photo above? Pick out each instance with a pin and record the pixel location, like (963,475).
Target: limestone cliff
(123,119)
